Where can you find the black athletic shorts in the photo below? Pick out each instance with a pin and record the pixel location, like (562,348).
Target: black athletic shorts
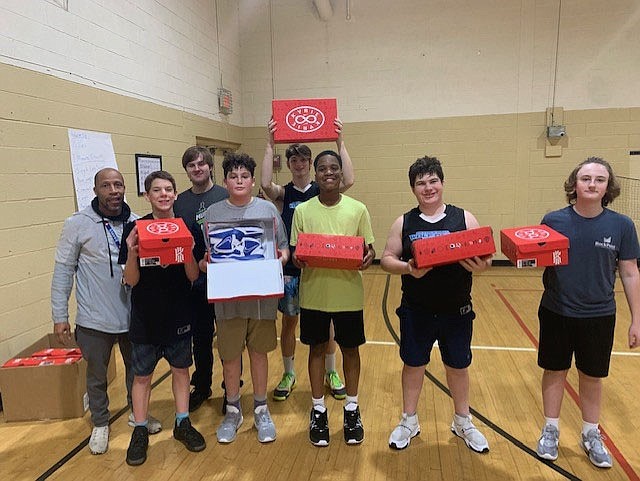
(590,339)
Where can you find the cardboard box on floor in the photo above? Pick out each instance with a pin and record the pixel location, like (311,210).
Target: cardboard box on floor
(46,392)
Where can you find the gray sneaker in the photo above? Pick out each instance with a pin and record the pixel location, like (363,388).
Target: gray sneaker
(264,424)
(594,447)
(407,428)
(227,430)
(154,426)
(548,443)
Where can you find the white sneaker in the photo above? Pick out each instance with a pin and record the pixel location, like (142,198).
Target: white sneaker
(154,426)
(407,428)
(99,442)
(473,438)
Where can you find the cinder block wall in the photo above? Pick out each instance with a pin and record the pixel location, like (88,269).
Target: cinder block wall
(35,169)
(496,166)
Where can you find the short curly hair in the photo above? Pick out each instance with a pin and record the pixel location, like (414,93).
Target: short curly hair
(425,166)
(234,160)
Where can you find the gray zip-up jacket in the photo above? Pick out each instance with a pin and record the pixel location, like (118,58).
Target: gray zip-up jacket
(83,249)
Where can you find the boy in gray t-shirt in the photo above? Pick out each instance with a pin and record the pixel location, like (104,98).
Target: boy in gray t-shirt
(250,322)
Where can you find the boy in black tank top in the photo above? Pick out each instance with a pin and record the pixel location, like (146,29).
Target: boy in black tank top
(435,305)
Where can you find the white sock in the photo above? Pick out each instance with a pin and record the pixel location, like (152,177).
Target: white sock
(586,427)
(351,403)
(330,362)
(458,419)
(288,364)
(555,422)
(318,404)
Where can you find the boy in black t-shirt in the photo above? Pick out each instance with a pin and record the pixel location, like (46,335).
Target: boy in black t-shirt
(161,317)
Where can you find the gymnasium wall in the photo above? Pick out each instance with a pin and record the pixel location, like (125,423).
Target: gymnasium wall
(35,170)
(470,82)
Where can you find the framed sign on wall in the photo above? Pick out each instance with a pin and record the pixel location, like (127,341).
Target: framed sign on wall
(145,164)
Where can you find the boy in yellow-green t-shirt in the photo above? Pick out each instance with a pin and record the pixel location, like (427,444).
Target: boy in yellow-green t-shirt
(332,295)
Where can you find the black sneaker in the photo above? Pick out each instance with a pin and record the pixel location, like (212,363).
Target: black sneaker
(319,428)
(137,452)
(196,398)
(189,436)
(353,430)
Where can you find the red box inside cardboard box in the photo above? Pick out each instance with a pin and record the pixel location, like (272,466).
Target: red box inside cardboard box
(453,247)
(58,352)
(24,361)
(534,246)
(164,241)
(304,120)
(330,251)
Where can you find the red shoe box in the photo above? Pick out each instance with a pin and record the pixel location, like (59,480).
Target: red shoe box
(58,352)
(59,361)
(330,251)
(304,120)
(534,246)
(451,248)
(164,241)
(24,361)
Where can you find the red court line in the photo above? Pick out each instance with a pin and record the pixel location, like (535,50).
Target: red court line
(619,457)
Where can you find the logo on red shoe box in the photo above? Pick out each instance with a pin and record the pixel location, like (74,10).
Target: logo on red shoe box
(163,228)
(531,233)
(305,118)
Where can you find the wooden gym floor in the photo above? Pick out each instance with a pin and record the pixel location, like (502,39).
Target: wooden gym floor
(505,398)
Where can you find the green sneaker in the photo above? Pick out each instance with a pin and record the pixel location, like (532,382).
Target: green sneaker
(282,390)
(332,379)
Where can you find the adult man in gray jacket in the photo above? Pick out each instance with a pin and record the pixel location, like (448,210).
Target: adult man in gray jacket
(88,248)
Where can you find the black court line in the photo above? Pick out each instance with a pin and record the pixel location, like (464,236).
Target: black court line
(494,427)
(65,459)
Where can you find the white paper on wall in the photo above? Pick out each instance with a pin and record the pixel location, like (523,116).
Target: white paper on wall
(90,152)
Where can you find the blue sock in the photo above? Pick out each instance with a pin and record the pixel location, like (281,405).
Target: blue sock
(180,417)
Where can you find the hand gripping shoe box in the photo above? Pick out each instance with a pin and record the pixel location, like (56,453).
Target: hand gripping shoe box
(453,247)
(164,241)
(243,260)
(304,120)
(330,251)
(534,246)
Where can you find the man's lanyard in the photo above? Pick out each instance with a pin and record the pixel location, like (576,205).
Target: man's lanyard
(113,233)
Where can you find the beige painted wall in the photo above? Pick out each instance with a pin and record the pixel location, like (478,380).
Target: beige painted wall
(35,170)
(495,166)
(415,59)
